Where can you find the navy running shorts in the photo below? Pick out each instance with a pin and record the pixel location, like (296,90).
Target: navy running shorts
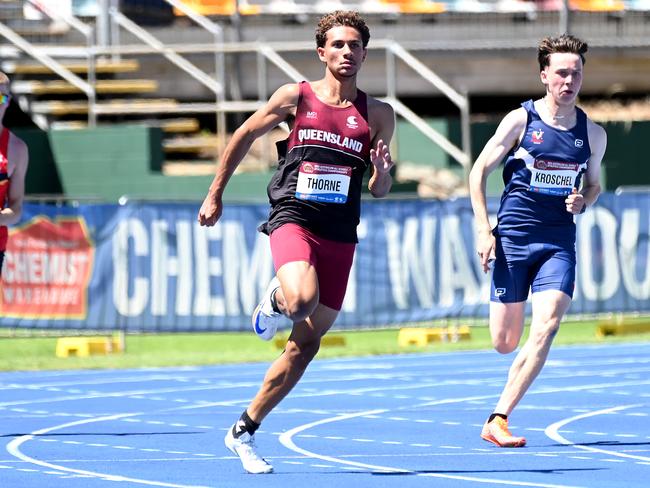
(525,263)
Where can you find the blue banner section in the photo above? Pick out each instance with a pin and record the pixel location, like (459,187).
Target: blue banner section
(151,267)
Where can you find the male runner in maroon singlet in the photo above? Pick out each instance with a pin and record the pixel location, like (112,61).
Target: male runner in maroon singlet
(337,132)
(13,167)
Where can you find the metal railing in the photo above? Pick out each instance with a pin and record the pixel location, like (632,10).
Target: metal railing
(89,34)
(265,53)
(87,87)
(462,156)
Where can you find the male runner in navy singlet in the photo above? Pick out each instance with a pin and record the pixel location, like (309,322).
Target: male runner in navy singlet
(337,133)
(552,172)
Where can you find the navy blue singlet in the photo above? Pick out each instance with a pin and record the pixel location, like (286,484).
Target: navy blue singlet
(538,174)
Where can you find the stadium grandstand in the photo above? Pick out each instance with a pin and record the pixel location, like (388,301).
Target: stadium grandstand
(192,69)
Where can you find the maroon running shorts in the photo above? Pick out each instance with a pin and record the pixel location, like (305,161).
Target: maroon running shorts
(331,259)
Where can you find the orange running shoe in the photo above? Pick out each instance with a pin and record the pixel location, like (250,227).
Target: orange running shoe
(497,433)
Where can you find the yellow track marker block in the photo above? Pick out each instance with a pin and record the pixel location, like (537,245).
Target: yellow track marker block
(621,327)
(85,346)
(325,341)
(421,337)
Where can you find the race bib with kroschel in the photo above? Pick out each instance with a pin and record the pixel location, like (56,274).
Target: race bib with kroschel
(553,177)
(323,182)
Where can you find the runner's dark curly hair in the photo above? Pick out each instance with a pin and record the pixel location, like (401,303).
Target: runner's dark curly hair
(345,18)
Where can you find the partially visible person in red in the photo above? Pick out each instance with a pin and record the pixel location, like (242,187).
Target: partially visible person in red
(13,167)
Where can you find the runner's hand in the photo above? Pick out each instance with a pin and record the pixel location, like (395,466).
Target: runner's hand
(575,202)
(210,211)
(485,247)
(380,158)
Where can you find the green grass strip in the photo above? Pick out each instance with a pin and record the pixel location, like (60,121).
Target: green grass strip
(158,350)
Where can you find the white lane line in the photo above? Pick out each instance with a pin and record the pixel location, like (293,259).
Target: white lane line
(552,431)
(287,440)
(14,449)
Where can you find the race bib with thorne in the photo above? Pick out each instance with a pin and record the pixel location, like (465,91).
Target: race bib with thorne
(323,182)
(553,177)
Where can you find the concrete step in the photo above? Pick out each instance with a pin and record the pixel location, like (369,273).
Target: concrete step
(60,87)
(189,167)
(102,66)
(168,126)
(116,107)
(178,125)
(191,144)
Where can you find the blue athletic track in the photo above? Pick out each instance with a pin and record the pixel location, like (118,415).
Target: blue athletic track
(390,421)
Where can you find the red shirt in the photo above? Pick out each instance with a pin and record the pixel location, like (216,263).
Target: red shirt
(4,183)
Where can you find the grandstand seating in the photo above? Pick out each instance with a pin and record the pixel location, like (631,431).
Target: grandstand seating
(597,5)
(289,7)
(638,5)
(85,8)
(417,6)
(293,7)
(124,95)
(583,5)
(220,7)
(55,103)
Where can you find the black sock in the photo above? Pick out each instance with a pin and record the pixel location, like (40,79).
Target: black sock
(244,424)
(494,415)
(274,304)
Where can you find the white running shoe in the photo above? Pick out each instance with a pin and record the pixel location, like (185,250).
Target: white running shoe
(266,320)
(244,447)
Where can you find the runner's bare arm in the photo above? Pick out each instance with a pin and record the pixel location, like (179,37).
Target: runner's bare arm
(19,156)
(505,138)
(280,106)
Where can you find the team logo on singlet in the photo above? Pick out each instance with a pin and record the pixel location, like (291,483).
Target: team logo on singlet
(537,136)
(312,115)
(579,142)
(352,122)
